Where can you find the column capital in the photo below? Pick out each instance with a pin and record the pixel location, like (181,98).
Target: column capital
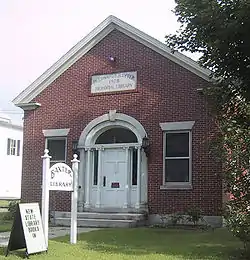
(100,148)
(88,149)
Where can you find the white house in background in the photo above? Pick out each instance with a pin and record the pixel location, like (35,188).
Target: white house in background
(11,143)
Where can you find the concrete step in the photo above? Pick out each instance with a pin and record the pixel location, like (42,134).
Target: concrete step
(97,215)
(95,219)
(98,222)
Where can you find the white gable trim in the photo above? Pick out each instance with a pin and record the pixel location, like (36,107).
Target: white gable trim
(94,37)
(28,106)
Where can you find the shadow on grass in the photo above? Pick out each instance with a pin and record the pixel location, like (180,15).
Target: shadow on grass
(182,244)
(17,253)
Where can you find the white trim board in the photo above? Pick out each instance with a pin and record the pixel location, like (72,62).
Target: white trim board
(173,126)
(55,132)
(94,37)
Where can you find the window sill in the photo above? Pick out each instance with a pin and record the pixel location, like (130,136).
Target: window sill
(184,186)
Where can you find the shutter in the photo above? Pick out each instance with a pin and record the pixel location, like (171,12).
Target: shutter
(8,146)
(18,147)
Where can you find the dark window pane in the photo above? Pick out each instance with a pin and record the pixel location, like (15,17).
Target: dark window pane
(8,146)
(177,144)
(117,135)
(95,180)
(52,163)
(134,167)
(56,149)
(18,147)
(177,170)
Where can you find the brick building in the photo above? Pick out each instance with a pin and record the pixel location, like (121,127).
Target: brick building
(135,113)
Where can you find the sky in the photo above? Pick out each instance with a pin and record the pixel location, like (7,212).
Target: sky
(36,33)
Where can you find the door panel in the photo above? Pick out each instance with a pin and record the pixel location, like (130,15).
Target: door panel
(114,174)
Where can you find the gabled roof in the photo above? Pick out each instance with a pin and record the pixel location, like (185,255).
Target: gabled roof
(88,42)
(10,126)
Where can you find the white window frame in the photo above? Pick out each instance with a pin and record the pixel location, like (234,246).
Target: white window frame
(13,147)
(177,127)
(57,134)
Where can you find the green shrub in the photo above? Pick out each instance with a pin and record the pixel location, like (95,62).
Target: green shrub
(194,215)
(176,218)
(238,223)
(12,208)
(7,216)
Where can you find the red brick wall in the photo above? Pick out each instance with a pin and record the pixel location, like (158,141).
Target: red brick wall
(165,92)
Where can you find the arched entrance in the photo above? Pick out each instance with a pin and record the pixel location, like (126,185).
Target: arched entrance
(113,168)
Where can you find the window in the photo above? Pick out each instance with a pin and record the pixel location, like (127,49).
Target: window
(177,157)
(116,135)
(177,151)
(57,149)
(56,143)
(13,147)
(95,175)
(134,166)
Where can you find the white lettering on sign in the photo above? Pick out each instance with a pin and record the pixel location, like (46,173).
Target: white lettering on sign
(114,82)
(61,177)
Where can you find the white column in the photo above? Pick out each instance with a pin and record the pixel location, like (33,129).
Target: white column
(127,186)
(99,181)
(81,182)
(138,197)
(88,173)
(73,226)
(45,195)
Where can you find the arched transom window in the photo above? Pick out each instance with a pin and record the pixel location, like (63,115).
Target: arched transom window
(116,135)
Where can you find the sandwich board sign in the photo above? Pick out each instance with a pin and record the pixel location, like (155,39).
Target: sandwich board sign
(27,230)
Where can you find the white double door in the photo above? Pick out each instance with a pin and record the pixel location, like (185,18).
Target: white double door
(114,177)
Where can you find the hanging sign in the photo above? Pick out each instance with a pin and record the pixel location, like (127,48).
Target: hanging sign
(61,177)
(114,82)
(27,230)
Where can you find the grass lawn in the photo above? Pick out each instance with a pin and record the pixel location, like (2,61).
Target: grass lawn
(4,203)
(5,225)
(141,243)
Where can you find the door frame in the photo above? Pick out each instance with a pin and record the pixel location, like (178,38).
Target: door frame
(86,145)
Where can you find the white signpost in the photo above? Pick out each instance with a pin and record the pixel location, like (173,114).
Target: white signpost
(59,177)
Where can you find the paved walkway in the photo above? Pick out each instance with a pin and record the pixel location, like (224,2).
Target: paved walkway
(53,232)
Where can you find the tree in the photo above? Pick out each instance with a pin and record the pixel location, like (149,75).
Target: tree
(219,29)
(234,151)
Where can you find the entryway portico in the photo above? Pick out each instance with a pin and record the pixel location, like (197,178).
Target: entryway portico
(113,168)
